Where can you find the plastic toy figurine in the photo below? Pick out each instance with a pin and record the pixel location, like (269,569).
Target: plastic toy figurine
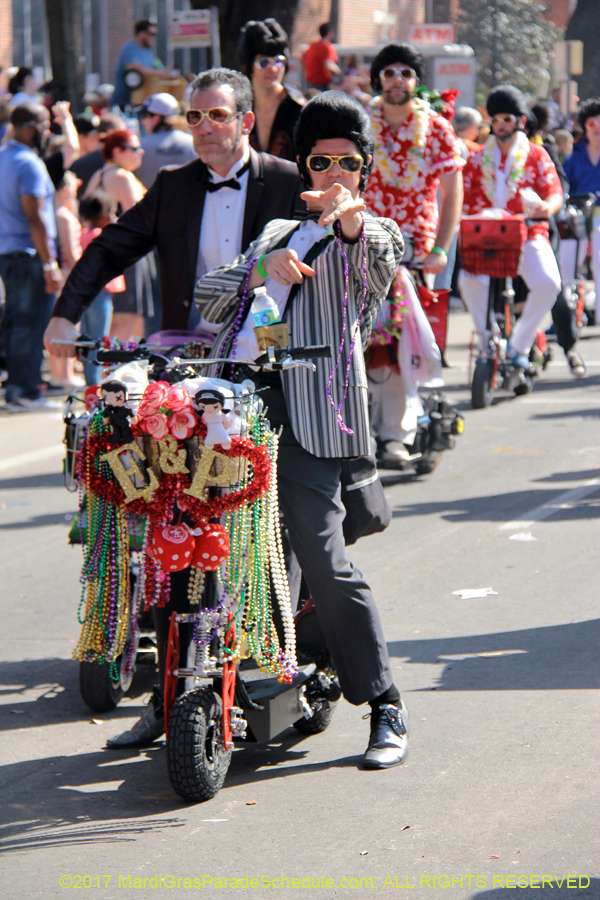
(116,413)
(211,403)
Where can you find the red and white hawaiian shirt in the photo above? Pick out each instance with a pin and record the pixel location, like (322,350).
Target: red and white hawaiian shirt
(414,205)
(539,173)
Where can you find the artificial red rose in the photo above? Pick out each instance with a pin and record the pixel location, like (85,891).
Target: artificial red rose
(449,96)
(155,425)
(177,399)
(182,424)
(154,397)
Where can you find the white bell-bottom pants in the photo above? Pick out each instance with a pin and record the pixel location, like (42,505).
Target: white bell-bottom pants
(539,271)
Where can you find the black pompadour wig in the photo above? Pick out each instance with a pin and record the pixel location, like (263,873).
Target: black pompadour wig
(331,115)
(506,99)
(405,54)
(265,38)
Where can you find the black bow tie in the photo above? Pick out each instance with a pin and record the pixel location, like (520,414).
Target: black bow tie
(213,186)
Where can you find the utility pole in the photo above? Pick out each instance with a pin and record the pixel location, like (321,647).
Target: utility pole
(494,43)
(334,19)
(65,33)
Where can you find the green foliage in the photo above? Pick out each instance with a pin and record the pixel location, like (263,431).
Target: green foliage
(519,48)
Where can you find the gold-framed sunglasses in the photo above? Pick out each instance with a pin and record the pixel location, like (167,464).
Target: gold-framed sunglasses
(504,118)
(391,72)
(321,162)
(217,114)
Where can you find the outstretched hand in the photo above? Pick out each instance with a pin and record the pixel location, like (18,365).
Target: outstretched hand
(285,266)
(337,203)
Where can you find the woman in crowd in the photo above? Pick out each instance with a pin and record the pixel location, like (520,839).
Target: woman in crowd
(263,53)
(123,155)
(24,87)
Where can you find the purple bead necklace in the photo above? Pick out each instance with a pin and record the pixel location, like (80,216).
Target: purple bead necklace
(338,409)
(235,327)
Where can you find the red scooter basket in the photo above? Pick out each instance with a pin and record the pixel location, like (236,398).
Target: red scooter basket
(492,246)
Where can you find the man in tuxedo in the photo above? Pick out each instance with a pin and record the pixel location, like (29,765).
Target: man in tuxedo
(196,216)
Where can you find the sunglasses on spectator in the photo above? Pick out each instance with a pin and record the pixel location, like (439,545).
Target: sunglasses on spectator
(321,163)
(217,114)
(505,118)
(129,147)
(391,72)
(265,62)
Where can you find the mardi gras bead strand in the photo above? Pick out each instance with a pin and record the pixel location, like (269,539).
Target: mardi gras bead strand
(104,578)
(236,325)
(287,656)
(338,408)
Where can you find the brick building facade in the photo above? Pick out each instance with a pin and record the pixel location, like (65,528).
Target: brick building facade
(6,33)
(361,22)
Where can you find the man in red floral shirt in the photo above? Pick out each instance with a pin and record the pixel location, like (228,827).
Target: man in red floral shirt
(497,178)
(416,152)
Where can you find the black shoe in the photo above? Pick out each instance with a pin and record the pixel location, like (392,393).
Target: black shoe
(576,363)
(388,743)
(149,727)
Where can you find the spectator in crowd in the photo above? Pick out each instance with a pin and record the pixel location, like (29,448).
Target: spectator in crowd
(123,155)
(24,87)
(163,144)
(28,265)
(321,60)
(466,123)
(137,55)
(96,211)
(564,143)
(61,159)
(556,118)
(263,52)
(69,241)
(583,171)
(87,126)
(4,119)
(92,160)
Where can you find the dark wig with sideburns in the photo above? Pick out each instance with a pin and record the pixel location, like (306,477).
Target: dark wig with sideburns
(405,54)
(261,39)
(334,115)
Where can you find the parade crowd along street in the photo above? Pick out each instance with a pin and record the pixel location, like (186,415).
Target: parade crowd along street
(245,292)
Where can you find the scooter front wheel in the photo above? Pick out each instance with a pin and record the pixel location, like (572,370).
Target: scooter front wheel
(481,388)
(196,757)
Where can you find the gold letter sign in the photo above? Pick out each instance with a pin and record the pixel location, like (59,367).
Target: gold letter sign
(225,478)
(125,476)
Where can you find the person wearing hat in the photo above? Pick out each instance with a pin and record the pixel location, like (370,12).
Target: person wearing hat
(164,144)
(495,178)
(416,154)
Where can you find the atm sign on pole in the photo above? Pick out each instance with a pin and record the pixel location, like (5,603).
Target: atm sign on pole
(190,28)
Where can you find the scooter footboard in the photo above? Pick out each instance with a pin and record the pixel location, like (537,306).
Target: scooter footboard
(282,704)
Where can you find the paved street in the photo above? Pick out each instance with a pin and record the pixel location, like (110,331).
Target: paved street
(501,786)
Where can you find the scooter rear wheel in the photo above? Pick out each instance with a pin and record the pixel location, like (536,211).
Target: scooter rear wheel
(97,688)
(196,758)
(525,387)
(319,721)
(481,388)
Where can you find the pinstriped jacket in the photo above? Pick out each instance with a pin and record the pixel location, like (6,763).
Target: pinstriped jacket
(314,313)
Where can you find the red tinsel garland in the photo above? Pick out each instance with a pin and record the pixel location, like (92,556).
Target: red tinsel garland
(171,487)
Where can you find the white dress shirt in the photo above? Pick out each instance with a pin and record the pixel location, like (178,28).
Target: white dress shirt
(222,220)
(308,234)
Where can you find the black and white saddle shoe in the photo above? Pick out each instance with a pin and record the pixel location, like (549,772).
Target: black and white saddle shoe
(147,729)
(388,743)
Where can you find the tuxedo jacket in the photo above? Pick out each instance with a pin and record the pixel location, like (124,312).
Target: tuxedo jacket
(168,220)
(315,314)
